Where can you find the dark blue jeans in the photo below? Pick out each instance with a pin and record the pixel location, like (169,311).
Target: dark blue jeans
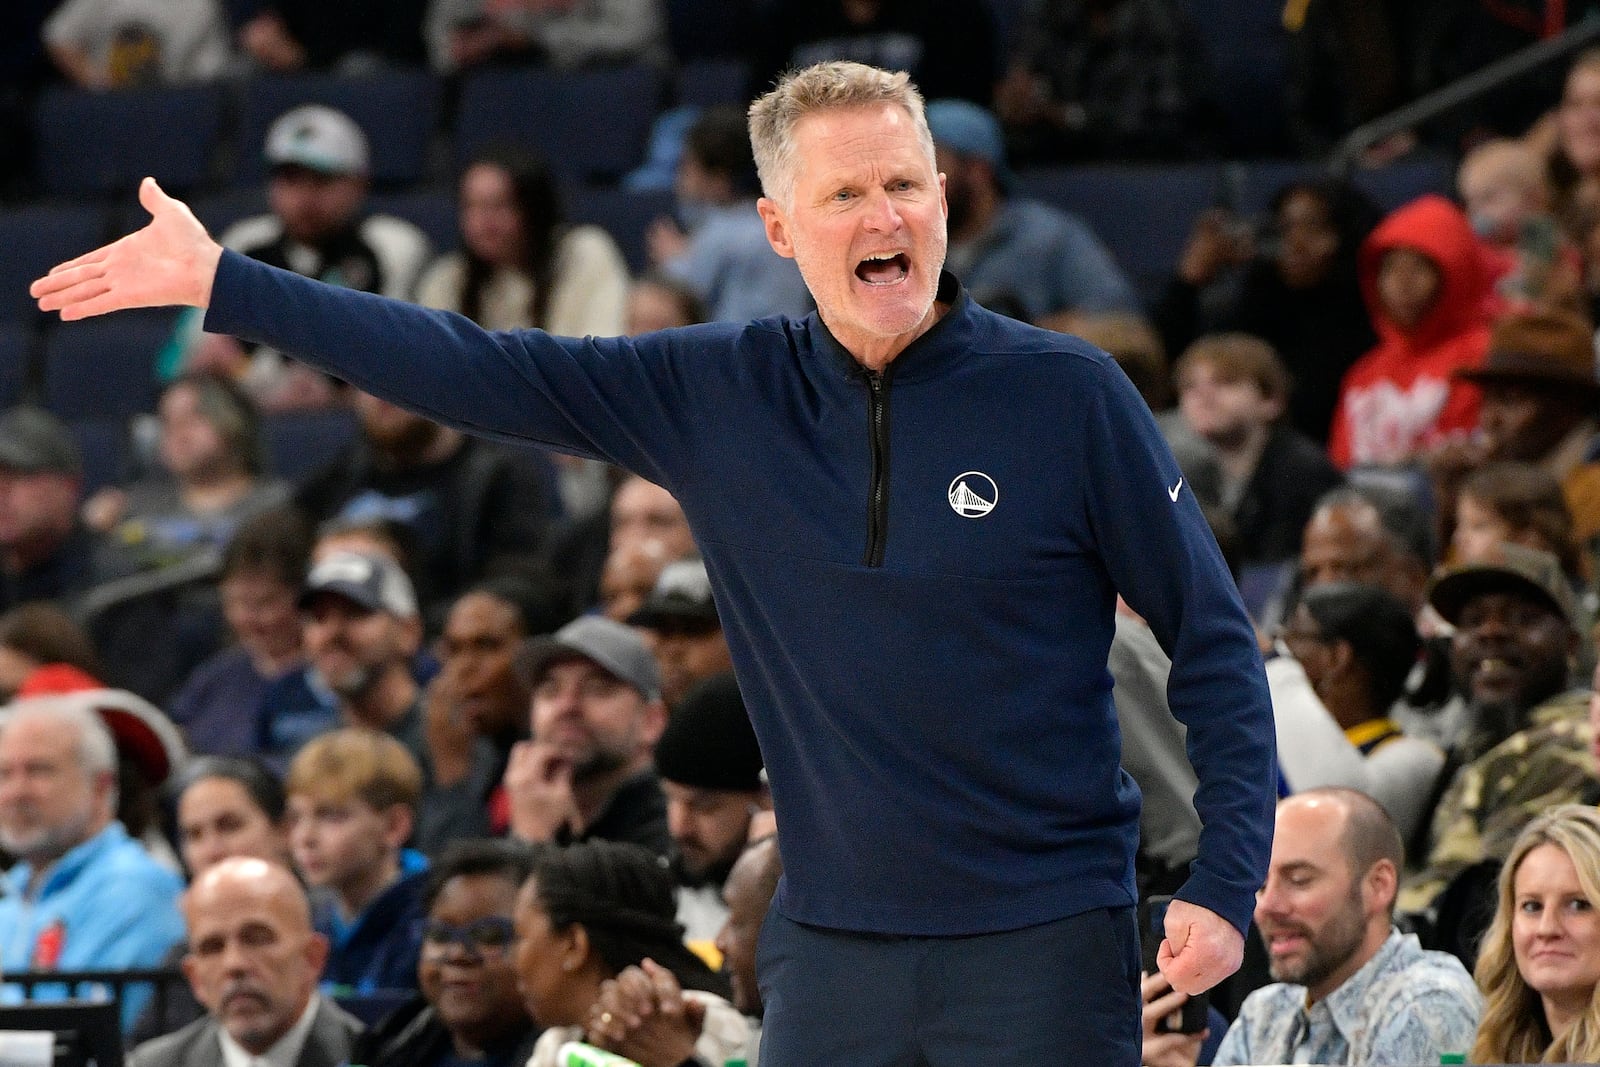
(1065,992)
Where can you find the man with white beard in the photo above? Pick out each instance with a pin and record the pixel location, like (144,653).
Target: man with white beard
(83,894)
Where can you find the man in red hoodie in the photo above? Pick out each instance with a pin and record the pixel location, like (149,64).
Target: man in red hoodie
(1427,286)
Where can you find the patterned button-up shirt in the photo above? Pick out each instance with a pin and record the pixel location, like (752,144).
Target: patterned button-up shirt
(1406,1006)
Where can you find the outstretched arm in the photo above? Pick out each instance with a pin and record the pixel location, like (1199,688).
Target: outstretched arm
(171,261)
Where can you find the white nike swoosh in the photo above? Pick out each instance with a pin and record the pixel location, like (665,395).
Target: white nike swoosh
(1173,492)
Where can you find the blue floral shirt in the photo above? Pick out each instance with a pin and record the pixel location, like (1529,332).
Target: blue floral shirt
(1406,1006)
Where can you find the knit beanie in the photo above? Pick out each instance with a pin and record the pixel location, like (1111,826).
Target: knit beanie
(708,742)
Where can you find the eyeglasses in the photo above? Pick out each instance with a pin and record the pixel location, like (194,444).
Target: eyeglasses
(484,937)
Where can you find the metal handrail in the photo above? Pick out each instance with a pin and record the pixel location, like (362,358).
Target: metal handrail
(1463,90)
(161,978)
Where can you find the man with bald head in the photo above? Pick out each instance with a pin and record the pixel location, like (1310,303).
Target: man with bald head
(253,963)
(1350,988)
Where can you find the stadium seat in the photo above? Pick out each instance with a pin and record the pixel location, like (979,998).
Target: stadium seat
(589,125)
(1248,52)
(1254,184)
(625,215)
(105,367)
(104,445)
(101,143)
(1406,179)
(35,239)
(16,358)
(300,442)
(1010,22)
(1143,214)
(698,29)
(710,82)
(221,210)
(433,211)
(398,110)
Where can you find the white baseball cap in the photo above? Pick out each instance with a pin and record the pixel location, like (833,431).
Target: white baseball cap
(318,138)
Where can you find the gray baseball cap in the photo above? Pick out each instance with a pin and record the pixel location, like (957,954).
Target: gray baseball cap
(614,648)
(375,583)
(33,441)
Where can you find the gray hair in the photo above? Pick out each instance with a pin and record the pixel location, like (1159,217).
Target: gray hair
(822,87)
(97,751)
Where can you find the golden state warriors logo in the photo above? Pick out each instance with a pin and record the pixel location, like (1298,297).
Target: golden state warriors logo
(973,494)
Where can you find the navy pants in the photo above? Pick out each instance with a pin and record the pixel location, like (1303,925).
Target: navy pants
(1059,993)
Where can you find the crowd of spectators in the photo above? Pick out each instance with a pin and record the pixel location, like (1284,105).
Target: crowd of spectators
(444,732)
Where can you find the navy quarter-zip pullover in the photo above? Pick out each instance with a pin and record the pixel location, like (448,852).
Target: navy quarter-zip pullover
(916,573)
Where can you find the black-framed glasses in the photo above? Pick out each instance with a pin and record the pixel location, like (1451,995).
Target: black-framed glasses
(491,936)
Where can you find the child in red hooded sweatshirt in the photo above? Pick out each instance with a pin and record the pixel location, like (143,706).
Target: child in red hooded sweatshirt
(1427,285)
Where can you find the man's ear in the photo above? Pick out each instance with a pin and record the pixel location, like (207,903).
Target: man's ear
(104,789)
(772,217)
(1381,884)
(1341,657)
(411,634)
(398,820)
(316,952)
(189,966)
(652,722)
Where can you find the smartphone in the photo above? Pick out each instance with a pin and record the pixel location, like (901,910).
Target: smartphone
(1192,1017)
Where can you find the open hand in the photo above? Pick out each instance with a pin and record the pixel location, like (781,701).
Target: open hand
(171,261)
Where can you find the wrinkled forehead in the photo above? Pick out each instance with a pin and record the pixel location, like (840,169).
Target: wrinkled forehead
(859,136)
(38,737)
(210,914)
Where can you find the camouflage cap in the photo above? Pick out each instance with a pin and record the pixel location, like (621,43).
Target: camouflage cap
(1511,569)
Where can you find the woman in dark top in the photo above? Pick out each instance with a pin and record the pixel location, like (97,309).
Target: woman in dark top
(1298,291)
(470,1011)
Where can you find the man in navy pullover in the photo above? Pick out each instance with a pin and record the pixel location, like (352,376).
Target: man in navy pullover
(916,516)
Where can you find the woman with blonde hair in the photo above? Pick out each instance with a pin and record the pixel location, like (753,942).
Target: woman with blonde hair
(1540,962)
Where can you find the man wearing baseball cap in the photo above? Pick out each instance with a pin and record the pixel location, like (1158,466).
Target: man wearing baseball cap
(361,631)
(318,164)
(45,553)
(681,627)
(1032,254)
(596,714)
(1516,635)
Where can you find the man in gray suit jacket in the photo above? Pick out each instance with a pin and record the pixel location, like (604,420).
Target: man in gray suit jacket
(253,962)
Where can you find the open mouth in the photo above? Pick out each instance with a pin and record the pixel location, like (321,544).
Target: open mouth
(1497,668)
(1281,943)
(884,269)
